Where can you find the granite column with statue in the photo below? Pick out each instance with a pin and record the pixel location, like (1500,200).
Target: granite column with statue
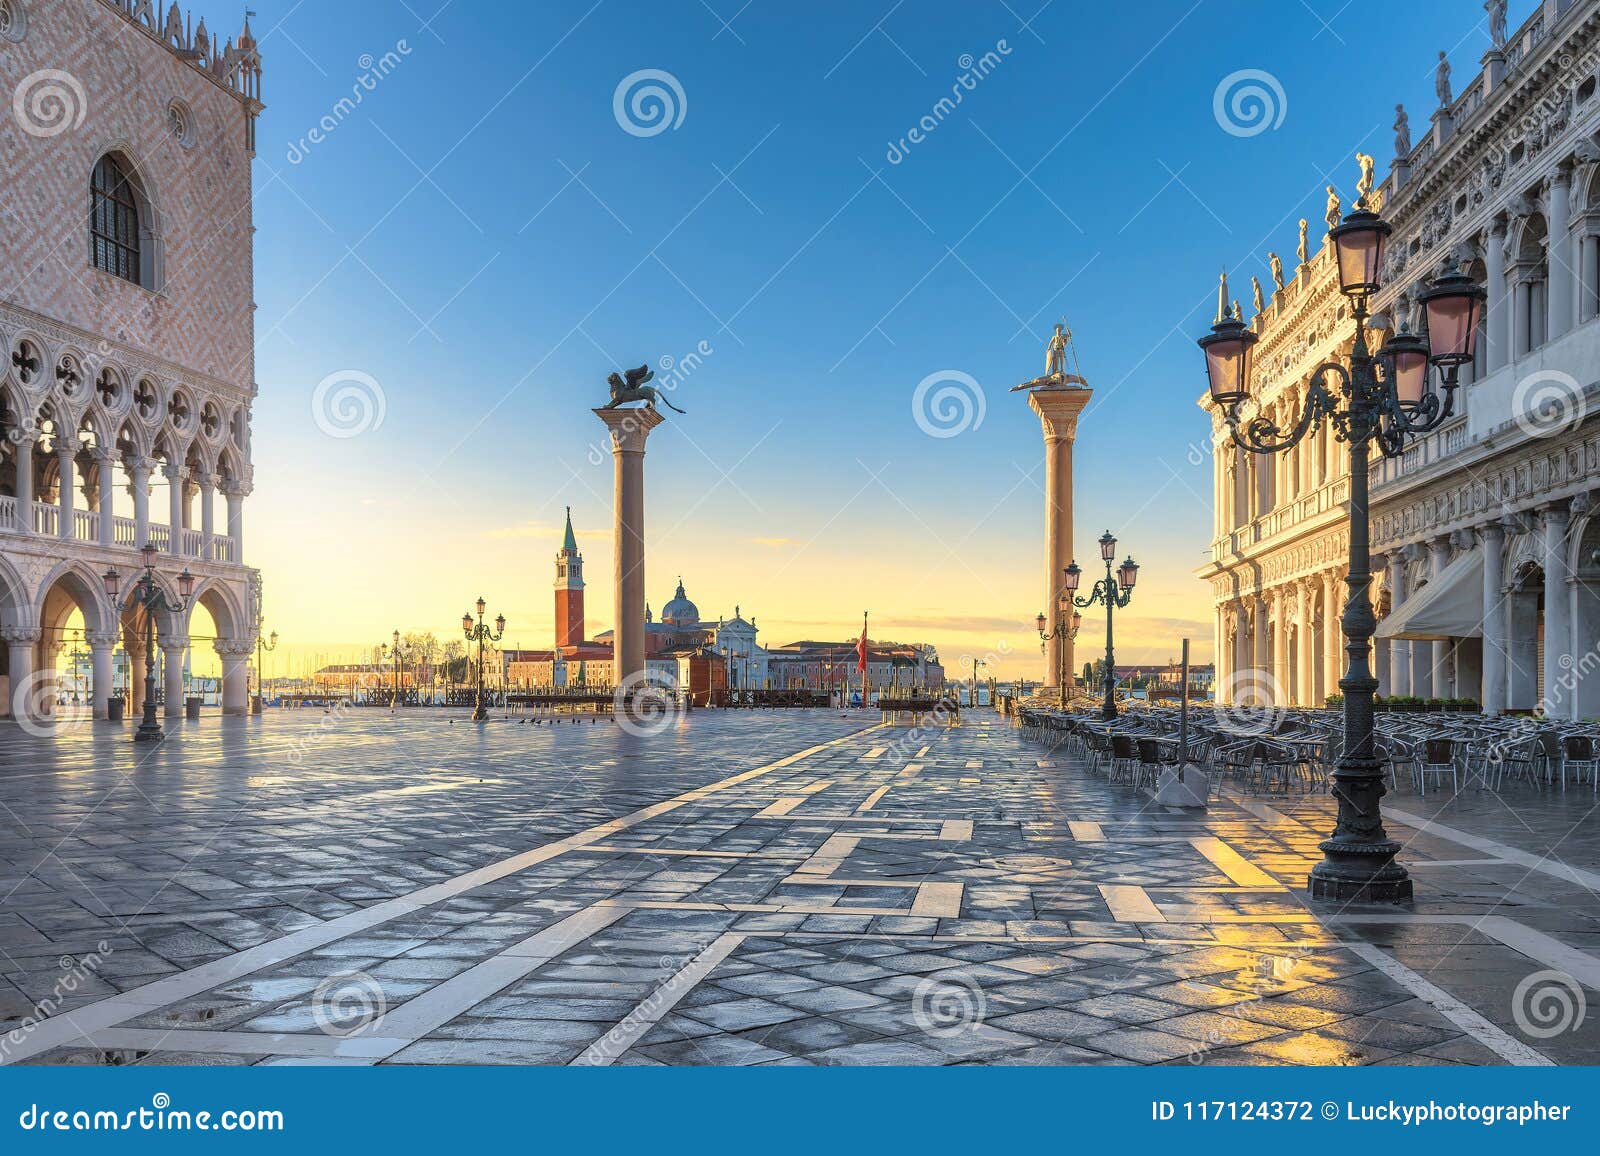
(629,428)
(1058,397)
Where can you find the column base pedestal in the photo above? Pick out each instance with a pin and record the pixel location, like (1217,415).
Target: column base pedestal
(1360,873)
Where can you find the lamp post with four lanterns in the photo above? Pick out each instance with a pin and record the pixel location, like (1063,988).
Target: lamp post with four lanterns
(481,634)
(1376,400)
(1115,590)
(1065,628)
(148,595)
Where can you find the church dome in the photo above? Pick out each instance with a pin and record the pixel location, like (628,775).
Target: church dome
(680,611)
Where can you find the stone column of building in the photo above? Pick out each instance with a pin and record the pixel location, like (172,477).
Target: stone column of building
(629,430)
(66,483)
(1558,697)
(1492,696)
(105,530)
(1260,644)
(1219,647)
(174,475)
(235,492)
(1332,632)
(1282,687)
(235,656)
(139,470)
(24,487)
(102,648)
(1442,659)
(1305,646)
(21,643)
(1399,649)
(208,523)
(133,646)
(1422,670)
(1241,647)
(1058,409)
(1560,251)
(1497,316)
(172,671)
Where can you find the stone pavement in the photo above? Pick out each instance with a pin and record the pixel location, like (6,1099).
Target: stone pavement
(746,888)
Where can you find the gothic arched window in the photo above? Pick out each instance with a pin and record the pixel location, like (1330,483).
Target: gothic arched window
(114,224)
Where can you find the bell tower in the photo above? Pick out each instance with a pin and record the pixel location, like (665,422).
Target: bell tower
(569,590)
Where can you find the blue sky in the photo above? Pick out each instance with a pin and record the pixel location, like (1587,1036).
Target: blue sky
(485,241)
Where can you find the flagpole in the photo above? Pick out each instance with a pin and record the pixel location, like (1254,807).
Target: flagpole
(864,703)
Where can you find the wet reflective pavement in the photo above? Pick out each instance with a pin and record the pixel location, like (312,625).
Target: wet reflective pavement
(748,888)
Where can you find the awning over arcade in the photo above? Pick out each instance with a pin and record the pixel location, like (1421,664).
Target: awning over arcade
(1449,606)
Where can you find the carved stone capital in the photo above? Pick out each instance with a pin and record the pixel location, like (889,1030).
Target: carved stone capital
(173,644)
(102,640)
(20,635)
(629,428)
(234,648)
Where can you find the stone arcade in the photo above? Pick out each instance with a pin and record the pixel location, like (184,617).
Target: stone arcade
(128,336)
(1489,575)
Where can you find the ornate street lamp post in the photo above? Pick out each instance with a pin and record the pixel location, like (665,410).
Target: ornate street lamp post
(1065,627)
(481,634)
(1378,400)
(1115,590)
(147,595)
(263,647)
(399,654)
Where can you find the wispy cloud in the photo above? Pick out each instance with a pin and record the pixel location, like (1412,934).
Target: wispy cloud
(774,543)
(525,530)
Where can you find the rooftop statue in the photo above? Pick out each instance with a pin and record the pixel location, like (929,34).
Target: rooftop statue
(1497,22)
(1364,184)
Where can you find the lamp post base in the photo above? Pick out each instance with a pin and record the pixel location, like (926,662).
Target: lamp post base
(1360,873)
(148,734)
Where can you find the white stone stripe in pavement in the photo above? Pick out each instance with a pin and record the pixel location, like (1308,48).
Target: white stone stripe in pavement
(1541,863)
(611,1047)
(460,993)
(1512,1050)
(74,1025)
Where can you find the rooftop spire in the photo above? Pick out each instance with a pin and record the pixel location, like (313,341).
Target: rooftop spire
(570,542)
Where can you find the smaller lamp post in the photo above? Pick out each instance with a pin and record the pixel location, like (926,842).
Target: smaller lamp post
(399,654)
(148,595)
(481,634)
(263,647)
(1066,628)
(1115,590)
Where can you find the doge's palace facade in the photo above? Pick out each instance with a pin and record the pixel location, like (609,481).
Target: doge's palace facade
(126,321)
(1486,545)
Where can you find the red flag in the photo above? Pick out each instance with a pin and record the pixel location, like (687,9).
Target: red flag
(861,647)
